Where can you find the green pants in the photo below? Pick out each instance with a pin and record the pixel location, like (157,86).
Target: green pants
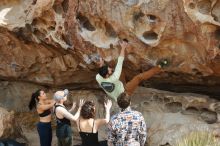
(64,135)
(65,141)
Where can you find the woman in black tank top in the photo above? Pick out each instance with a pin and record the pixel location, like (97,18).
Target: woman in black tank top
(64,118)
(43,106)
(88,126)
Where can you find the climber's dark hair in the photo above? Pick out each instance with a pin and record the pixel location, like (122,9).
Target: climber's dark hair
(103,71)
(34,98)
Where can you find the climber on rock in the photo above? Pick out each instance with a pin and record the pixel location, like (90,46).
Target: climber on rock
(110,82)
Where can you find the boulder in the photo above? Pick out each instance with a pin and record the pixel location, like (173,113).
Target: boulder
(10,130)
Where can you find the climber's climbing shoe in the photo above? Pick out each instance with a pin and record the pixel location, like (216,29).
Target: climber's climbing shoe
(163,63)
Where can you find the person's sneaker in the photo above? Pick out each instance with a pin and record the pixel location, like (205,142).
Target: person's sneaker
(163,63)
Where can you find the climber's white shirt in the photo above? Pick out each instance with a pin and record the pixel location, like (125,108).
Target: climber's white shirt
(114,78)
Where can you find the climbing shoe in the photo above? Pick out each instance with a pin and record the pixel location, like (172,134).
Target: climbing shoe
(163,63)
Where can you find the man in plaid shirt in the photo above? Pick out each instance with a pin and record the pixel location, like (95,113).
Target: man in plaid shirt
(126,128)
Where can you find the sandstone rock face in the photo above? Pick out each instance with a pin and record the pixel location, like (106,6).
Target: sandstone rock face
(16,96)
(171,116)
(53,42)
(9,128)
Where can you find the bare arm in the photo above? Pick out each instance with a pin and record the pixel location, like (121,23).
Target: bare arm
(108,106)
(101,122)
(73,107)
(46,106)
(49,101)
(68,115)
(111,135)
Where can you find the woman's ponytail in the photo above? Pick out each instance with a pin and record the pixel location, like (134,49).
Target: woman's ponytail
(34,98)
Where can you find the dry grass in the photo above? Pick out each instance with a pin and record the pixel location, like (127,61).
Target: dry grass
(199,139)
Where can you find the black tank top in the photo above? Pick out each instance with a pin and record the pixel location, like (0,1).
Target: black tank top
(89,139)
(45,113)
(64,120)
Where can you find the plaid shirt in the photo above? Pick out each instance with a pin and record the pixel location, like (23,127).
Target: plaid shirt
(127,128)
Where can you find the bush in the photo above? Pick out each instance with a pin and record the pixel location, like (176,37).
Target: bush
(199,139)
